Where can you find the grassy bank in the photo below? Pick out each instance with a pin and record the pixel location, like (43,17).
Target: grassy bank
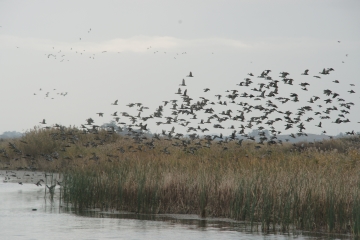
(307,186)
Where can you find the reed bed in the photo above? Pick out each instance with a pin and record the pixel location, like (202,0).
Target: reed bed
(305,186)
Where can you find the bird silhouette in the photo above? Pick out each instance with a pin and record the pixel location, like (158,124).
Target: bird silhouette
(305,72)
(183,83)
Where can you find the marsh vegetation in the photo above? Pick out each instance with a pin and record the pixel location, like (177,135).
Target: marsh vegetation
(307,186)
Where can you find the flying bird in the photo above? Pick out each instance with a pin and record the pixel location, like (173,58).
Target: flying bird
(305,72)
(183,83)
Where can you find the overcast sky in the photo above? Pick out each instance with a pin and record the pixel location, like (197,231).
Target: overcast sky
(139,52)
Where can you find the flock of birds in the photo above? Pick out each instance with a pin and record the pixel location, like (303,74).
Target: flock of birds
(239,114)
(32,177)
(59,55)
(50,94)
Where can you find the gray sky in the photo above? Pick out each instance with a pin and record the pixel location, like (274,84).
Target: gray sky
(152,45)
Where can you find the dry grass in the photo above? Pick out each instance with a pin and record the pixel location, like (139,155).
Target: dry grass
(309,186)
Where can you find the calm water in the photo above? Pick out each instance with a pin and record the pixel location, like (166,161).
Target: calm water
(19,220)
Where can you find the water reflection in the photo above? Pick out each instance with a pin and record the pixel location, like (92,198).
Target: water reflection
(53,221)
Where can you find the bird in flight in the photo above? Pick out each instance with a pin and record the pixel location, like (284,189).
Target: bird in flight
(305,72)
(183,83)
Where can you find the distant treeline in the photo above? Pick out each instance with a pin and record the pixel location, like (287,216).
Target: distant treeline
(12,134)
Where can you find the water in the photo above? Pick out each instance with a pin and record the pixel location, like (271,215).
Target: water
(25,213)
